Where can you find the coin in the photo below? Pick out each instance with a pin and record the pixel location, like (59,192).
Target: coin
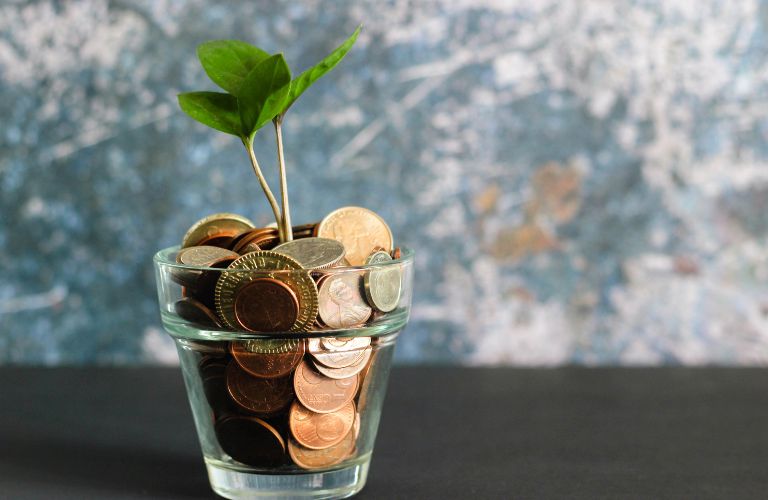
(320,393)
(345,343)
(222,226)
(397,253)
(336,354)
(320,430)
(251,441)
(341,305)
(253,236)
(258,395)
(313,253)
(268,358)
(296,278)
(308,458)
(346,371)
(204,256)
(266,305)
(196,312)
(382,284)
(360,230)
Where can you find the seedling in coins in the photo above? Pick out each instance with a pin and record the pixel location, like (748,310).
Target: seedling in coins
(259,90)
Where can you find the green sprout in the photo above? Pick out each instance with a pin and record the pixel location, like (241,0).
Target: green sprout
(259,90)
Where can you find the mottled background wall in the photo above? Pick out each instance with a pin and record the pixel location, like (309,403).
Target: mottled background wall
(584,181)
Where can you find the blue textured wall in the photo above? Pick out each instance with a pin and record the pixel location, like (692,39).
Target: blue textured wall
(583,181)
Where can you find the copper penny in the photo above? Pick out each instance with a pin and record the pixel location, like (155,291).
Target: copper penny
(396,253)
(322,394)
(307,458)
(346,371)
(268,358)
(341,305)
(266,305)
(319,431)
(251,441)
(266,396)
(196,312)
(360,230)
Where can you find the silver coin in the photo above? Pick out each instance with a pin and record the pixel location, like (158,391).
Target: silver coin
(313,253)
(382,285)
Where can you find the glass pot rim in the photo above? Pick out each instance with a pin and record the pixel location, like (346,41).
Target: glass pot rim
(166,258)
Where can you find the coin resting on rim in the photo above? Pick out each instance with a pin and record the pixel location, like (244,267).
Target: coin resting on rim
(268,358)
(222,226)
(322,394)
(382,285)
(360,230)
(320,430)
(341,305)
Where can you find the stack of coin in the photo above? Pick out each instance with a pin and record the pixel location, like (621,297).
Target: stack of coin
(277,402)
(283,401)
(244,279)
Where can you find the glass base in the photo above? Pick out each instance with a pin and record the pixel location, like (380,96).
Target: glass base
(339,483)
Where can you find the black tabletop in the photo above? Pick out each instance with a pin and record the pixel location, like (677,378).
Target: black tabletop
(446,433)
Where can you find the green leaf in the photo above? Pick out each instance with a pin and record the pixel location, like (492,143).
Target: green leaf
(263,93)
(310,76)
(215,109)
(228,62)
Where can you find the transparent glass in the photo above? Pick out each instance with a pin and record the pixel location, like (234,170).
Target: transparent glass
(282,414)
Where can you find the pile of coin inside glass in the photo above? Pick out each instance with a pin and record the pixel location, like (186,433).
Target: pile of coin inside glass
(282,401)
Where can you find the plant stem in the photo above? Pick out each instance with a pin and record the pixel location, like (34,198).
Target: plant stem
(264,186)
(288,229)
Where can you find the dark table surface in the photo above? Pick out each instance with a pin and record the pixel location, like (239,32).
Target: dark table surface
(446,433)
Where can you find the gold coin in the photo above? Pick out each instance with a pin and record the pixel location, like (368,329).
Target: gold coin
(222,225)
(382,284)
(307,458)
(298,279)
(319,431)
(322,394)
(360,230)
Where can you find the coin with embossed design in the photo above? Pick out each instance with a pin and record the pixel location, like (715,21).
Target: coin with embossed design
(320,430)
(346,371)
(216,230)
(336,354)
(313,253)
(266,264)
(307,458)
(266,305)
(322,394)
(341,304)
(269,358)
(360,230)
(382,284)
(266,396)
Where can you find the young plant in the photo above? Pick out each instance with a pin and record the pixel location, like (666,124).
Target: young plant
(258,90)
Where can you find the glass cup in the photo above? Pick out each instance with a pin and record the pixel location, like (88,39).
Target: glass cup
(290,414)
